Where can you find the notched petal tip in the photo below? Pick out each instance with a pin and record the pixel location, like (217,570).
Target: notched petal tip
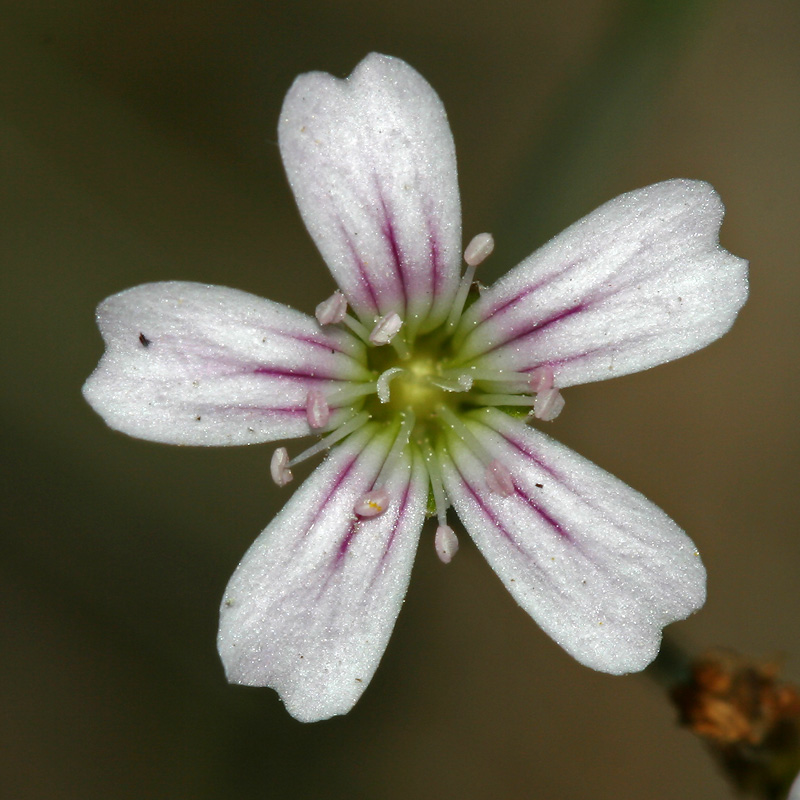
(600,568)
(311,607)
(638,282)
(371,162)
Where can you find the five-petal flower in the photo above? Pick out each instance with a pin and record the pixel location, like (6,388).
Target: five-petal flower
(416,396)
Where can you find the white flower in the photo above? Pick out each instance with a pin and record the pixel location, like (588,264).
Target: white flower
(412,396)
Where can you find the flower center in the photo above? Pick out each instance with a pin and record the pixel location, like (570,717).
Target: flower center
(413,389)
(413,384)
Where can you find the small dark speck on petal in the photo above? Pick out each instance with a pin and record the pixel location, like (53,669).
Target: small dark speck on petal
(143,340)
(359,680)
(228,603)
(540,486)
(197,419)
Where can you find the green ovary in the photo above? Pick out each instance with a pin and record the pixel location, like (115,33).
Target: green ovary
(412,389)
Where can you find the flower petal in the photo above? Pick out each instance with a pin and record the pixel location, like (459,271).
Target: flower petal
(187,363)
(595,563)
(640,281)
(372,164)
(310,609)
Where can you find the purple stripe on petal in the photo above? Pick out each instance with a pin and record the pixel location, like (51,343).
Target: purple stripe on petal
(646,273)
(604,591)
(387,226)
(371,162)
(311,607)
(514,334)
(496,312)
(435,258)
(405,505)
(364,274)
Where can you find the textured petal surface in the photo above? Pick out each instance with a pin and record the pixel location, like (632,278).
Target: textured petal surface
(372,164)
(638,282)
(205,365)
(310,609)
(595,563)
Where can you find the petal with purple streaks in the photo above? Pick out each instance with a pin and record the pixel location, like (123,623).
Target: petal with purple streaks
(310,609)
(640,281)
(596,564)
(372,165)
(192,364)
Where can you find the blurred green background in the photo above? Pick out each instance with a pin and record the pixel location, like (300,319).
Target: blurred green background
(137,143)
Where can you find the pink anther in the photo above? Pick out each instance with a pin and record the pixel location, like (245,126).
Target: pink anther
(479,249)
(317,411)
(386,329)
(547,404)
(541,378)
(279,467)
(498,478)
(372,504)
(332,310)
(446,543)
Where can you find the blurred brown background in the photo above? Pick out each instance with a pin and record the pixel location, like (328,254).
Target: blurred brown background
(137,143)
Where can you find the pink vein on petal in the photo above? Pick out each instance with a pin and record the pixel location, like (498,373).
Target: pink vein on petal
(359,264)
(493,313)
(388,230)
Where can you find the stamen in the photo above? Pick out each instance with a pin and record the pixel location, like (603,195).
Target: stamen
(548,404)
(446,543)
(477,250)
(497,475)
(346,394)
(357,328)
(502,400)
(517,379)
(345,429)
(460,383)
(332,310)
(373,503)
(437,484)
(386,329)
(401,348)
(382,385)
(318,412)
(498,478)
(541,378)
(279,467)
(400,444)
(464,433)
